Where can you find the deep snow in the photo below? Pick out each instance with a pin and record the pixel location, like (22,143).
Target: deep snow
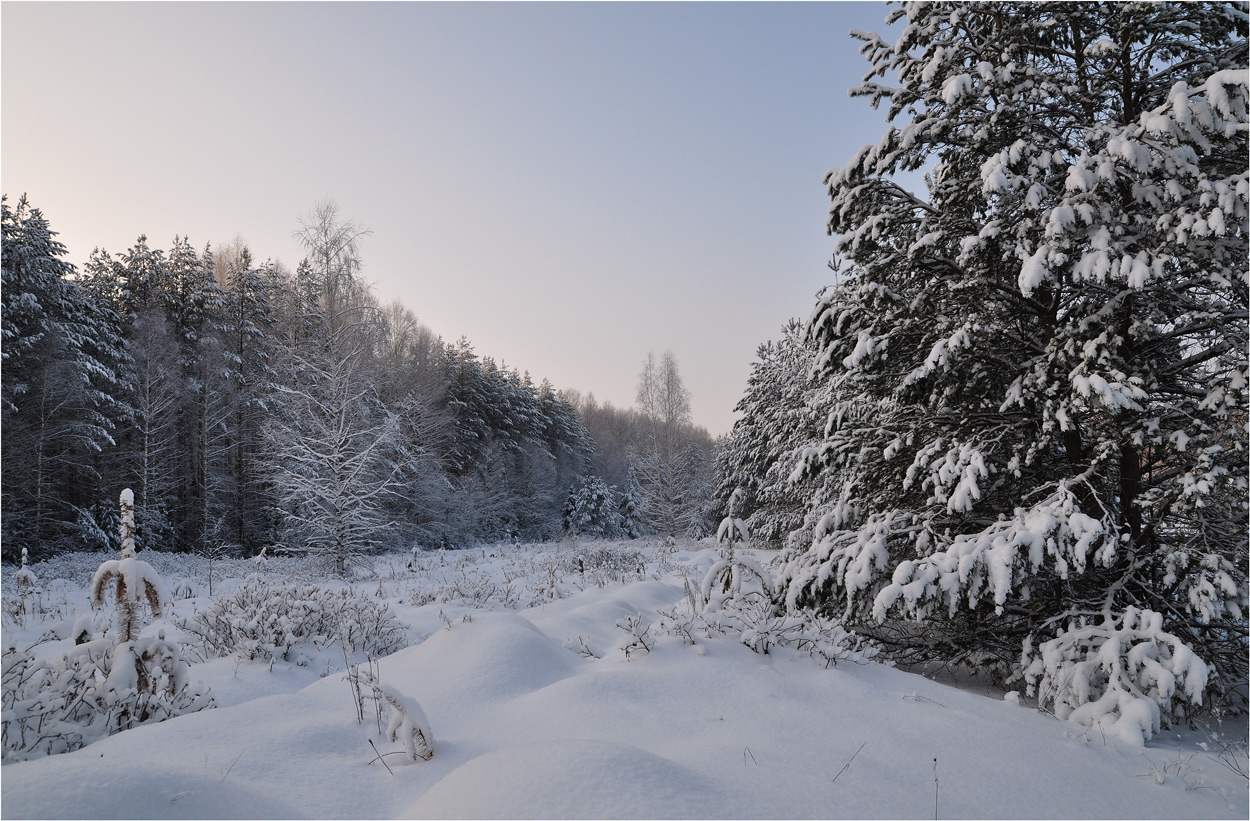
(525,727)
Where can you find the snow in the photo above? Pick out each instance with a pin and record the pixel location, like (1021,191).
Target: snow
(1034,271)
(526,727)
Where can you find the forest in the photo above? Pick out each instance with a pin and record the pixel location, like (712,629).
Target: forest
(252,408)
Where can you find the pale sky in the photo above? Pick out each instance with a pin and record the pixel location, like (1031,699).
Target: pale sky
(567,185)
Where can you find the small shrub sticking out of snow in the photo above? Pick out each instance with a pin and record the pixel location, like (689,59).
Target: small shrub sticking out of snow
(27,587)
(408,724)
(603,563)
(99,687)
(726,578)
(258,621)
(637,632)
(1124,675)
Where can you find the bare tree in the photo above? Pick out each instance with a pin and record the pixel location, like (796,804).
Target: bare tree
(331,445)
(665,458)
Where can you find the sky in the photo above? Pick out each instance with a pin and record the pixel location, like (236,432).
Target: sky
(569,186)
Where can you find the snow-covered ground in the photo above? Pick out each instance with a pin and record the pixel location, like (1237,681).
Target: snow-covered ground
(515,656)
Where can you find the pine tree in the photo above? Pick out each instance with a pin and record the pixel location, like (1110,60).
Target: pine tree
(591,510)
(250,346)
(59,396)
(197,323)
(1045,356)
(782,414)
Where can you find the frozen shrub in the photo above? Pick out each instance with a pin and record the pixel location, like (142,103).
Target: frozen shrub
(728,575)
(606,561)
(99,687)
(259,621)
(92,691)
(1124,675)
(407,724)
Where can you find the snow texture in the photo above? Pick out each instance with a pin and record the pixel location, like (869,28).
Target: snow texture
(529,729)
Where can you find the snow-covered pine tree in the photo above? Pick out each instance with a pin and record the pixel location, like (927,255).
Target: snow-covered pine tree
(782,413)
(591,510)
(250,346)
(1045,457)
(631,516)
(197,321)
(59,407)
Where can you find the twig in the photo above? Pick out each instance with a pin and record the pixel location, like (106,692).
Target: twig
(918,697)
(236,761)
(847,765)
(380,758)
(935,789)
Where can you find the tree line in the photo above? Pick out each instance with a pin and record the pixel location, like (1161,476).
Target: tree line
(254,408)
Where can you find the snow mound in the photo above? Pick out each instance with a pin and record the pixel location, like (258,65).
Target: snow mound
(61,787)
(495,657)
(569,779)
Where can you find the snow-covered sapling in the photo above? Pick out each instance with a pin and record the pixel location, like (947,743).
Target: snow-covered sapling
(26,583)
(132,581)
(24,577)
(726,576)
(147,678)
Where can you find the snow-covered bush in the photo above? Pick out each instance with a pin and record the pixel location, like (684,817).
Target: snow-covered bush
(260,621)
(603,562)
(760,625)
(95,689)
(103,686)
(727,576)
(407,723)
(591,510)
(1122,675)
(477,591)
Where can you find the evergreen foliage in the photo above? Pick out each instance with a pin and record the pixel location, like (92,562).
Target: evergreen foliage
(592,510)
(252,408)
(1041,362)
(783,412)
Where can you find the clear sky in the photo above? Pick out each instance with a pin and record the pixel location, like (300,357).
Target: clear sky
(567,185)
